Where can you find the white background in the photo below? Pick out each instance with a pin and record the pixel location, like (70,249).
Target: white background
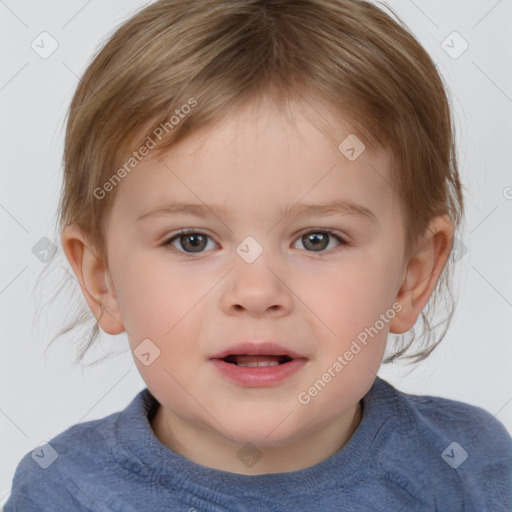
(42,395)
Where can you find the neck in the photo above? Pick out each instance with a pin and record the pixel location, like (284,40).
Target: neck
(208,448)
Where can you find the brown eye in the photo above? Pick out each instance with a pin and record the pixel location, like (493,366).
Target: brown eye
(318,241)
(194,242)
(188,242)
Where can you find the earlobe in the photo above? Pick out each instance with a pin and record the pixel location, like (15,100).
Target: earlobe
(94,279)
(422,273)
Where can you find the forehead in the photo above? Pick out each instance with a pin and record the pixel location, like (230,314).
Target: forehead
(262,158)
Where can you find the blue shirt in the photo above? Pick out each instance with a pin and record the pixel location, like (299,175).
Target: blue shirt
(409,453)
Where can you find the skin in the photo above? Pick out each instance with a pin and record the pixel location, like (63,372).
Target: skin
(255,163)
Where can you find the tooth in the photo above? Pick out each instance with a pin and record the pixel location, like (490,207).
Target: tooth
(255,360)
(259,363)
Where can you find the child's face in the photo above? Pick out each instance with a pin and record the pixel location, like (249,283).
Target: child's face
(314,303)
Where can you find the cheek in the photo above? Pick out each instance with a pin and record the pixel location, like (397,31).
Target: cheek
(154,307)
(351,296)
(353,311)
(151,297)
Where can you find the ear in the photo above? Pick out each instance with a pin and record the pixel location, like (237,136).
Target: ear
(422,272)
(94,279)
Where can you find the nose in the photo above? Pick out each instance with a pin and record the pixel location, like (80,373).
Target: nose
(257,288)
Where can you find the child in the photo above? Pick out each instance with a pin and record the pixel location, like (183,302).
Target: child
(309,145)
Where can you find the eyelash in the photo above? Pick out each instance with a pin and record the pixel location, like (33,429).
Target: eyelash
(188,231)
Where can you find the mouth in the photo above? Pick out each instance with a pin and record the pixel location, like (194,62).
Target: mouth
(256,360)
(251,352)
(258,364)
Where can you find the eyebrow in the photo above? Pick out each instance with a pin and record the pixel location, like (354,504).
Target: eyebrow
(336,207)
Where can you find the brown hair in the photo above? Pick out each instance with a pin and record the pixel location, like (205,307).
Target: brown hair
(216,55)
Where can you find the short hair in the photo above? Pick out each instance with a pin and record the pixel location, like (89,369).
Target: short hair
(216,55)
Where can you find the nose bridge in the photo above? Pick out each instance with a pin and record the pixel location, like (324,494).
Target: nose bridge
(252,263)
(254,285)
(250,250)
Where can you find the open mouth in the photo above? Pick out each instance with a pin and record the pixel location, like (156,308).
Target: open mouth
(259,360)
(238,365)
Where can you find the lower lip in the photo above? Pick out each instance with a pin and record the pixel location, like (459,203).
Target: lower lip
(258,376)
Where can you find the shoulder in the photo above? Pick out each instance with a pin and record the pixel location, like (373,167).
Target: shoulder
(58,473)
(454,448)
(443,419)
(446,420)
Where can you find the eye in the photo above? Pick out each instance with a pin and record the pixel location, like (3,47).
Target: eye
(190,241)
(319,240)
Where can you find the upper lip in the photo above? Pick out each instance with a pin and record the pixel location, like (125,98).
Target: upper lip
(257,348)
